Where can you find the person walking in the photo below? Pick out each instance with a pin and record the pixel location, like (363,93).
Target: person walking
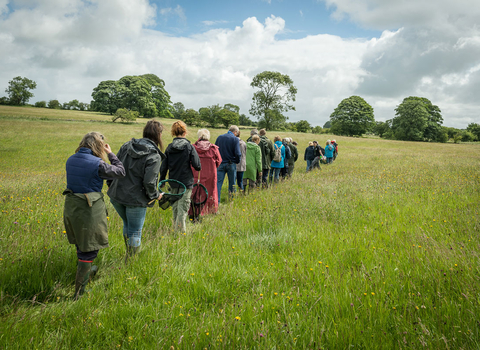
(210,159)
(253,163)
(229,148)
(241,166)
(132,194)
(278,160)
(180,158)
(309,155)
(85,214)
(288,155)
(268,153)
(293,158)
(329,152)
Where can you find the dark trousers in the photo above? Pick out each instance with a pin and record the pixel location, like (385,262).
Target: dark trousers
(86,256)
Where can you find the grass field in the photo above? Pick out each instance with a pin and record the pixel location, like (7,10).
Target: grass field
(379,250)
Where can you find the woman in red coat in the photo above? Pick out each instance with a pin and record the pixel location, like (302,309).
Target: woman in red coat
(210,159)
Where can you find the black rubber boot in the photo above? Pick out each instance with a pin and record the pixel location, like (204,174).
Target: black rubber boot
(84,270)
(131,251)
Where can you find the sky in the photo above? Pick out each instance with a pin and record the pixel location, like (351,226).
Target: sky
(207,52)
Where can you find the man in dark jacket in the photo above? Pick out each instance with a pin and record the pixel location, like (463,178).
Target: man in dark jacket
(229,147)
(268,153)
(293,158)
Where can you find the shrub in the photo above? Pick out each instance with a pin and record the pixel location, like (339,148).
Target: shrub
(125,115)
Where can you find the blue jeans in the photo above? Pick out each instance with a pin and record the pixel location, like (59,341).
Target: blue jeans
(275,171)
(240,179)
(308,164)
(133,219)
(231,171)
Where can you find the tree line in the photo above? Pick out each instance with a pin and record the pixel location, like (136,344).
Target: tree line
(130,97)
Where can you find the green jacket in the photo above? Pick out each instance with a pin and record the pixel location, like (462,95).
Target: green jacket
(268,152)
(85,219)
(294,157)
(254,161)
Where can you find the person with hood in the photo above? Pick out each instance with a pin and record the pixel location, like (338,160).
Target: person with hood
(241,166)
(277,165)
(293,158)
(268,152)
(210,159)
(131,195)
(288,155)
(329,152)
(335,149)
(180,158)
(253,163)
(85,214)
(309,154)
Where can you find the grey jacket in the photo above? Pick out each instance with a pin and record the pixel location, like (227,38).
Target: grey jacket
(141,159)
(242,166)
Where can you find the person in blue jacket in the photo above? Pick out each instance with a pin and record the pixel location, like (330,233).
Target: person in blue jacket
(229,147)
(85,214)
(277,166)
(329,152)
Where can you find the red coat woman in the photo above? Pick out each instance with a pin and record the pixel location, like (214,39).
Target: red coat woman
(210,159)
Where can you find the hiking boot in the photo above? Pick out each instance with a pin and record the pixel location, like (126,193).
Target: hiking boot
(84,270)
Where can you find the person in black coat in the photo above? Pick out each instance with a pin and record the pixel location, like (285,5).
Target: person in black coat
(309,154)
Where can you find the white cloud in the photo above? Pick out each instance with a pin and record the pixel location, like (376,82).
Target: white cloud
(176,12)
(213,23)
(68,47)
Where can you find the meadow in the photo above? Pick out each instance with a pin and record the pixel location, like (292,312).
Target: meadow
(379,250)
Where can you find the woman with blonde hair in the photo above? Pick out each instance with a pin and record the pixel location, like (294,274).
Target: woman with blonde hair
(85,215)
(180,158)
(210,159)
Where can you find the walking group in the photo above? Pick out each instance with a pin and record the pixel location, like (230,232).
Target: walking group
(134,173)
(316,154)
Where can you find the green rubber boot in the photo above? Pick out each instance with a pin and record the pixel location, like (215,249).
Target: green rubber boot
(131,251)
(84,271)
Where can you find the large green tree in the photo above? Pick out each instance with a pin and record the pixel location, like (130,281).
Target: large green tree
(417,119)
(210,115)
(145,94)
(474,128)
(352,117)
(18,90)
(275,95)
(303,126)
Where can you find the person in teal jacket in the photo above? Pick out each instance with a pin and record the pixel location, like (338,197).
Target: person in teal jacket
(329,152)
(277,166)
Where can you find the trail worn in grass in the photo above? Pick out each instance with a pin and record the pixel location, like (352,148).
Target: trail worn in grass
(378,250)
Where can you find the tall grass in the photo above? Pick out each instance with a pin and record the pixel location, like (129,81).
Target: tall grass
(378,250)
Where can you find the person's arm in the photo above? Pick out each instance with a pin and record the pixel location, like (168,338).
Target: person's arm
(295,153)
(164,167)
(217,158)
(115,170)
(150,177)
(195,159)
(258,159)
(238,152)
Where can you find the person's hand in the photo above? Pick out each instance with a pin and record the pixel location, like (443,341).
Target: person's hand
(107,148)
(160,196)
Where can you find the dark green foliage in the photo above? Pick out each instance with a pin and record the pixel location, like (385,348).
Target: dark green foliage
(303,126)
(381,128)
(276,92)
(41,104)
(178,109)
(210,115)
(191,117)
(145,94)
(4,100)
(228,117)
(417,119)
(474,128)
(352,117)
(54,104)
(327,125)
(272,120)
(125,115)
(244,120)
(317,129)
(19,90)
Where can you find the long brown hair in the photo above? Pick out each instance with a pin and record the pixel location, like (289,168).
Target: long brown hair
(153,131)
(178,128)
(94,141)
